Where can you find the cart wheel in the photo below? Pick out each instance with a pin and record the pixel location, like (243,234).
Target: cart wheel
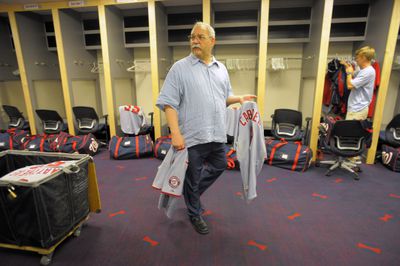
(77,232)
(358,169)
(46,259)
(356,177)
(328,173)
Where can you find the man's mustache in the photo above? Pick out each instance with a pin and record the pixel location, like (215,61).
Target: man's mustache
(196,46)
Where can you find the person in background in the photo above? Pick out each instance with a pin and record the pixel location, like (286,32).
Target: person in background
(361,86)
(194,97)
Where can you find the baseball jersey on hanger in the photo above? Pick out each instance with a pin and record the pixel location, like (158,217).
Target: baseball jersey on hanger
(132,119)
(250,147)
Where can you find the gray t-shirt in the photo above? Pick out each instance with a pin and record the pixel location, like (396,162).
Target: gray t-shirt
(363,83)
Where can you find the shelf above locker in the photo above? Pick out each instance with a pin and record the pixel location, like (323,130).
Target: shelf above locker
(237,17)
(92,41)
(136,21)
(181,19)
(289,22)
(290,13)
(353,31)
(137,39)
(236,24)
(134,29)
(289,32)
(350,11)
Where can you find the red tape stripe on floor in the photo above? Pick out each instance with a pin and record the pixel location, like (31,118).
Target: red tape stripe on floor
(255,244)
(319,196)
(116,213)
(294,216)
(141,178)
(386,217)
(375,250)
(394,196)
(152,242)
(272,180)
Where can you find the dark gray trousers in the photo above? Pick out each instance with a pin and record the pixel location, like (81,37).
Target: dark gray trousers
(206,163)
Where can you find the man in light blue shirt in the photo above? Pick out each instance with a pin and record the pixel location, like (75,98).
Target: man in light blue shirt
(194,97)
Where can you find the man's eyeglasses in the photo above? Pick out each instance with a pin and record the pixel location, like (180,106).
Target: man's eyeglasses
(200,37)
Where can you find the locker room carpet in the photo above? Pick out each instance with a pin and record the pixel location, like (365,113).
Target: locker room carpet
(297,219)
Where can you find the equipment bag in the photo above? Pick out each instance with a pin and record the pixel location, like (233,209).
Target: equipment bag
(162,146)
(391,157)
(122,148)
(37,143)
(12,139)
(288,155)
(83,144)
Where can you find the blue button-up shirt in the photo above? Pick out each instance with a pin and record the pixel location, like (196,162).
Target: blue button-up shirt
(198,92)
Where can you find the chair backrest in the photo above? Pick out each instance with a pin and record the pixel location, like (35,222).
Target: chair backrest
(15,116)
(392,131)
(287,123)
(348,135)
(87,118)
(52,121)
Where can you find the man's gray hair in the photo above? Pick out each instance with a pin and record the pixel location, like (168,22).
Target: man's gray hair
(211,31)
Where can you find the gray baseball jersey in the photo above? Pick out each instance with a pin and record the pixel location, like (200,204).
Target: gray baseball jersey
(170,178)
(232,117)
(132,119)
(250,147)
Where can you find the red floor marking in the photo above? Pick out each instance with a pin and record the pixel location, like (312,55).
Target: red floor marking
(294,216)
(394,196)
(319,196)
(386,217)
(272,180)
(150,241)
(141,178)
(207,212)
(120,167)
(376,250)
(339,180)
(239,194)
(116,213)
(255,244)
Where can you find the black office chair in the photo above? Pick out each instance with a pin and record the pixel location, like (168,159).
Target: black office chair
(16,118)
(52,121)
(347,140)
(88,122)
(391,134)
(287,124)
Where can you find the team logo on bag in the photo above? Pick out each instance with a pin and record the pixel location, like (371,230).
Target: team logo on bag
(93,145)
(174,181)
(386,157)
(2,144)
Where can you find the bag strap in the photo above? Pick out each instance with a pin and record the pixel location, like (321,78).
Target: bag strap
(278,145)
(137,146)
(117,147)
(230,163)
(11,142)
(296,158)
(41,143)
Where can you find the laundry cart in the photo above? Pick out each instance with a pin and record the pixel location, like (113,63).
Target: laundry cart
(44,198)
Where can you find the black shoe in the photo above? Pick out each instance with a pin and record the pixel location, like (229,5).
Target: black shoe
(199,225)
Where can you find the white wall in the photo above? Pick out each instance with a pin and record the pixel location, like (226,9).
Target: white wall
(11,94)
(49,95)
(392,103)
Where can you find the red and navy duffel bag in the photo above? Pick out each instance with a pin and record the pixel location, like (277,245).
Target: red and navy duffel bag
(122,148)
(83,144)
(391,157)
(13,139)
(161,147)
(288,155)
(38,142)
